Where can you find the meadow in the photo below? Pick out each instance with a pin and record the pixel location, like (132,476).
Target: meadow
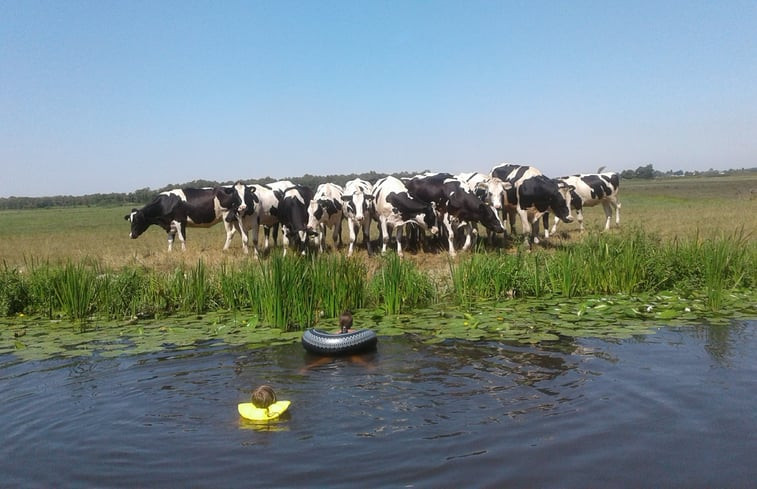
(694,236)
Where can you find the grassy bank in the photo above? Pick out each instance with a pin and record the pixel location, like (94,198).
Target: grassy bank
(294,292)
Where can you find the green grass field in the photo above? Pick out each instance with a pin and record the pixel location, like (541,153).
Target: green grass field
(671,208)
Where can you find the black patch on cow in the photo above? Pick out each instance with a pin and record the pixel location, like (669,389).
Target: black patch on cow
(502,172)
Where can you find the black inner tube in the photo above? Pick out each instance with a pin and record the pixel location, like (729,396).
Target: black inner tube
(323,343)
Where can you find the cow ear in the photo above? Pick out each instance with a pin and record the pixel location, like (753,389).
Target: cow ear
(278,194)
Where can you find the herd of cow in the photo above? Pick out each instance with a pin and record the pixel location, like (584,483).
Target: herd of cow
(432,201)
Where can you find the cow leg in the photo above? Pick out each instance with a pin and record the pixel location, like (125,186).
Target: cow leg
(446,220)
(337,236)
(321,236)
(367,234)
(545,222)
(171,235)
(616,204)
(240,226)
(469,236)
(384,234)
(182,232)
(285,239)
(526,224)
(608,214)
(302,241)
(554,225)
(580,218)
(255,231)
(400,230)
(352,228)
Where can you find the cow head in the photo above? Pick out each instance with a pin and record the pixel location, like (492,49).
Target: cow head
(357,204)
(560,202)
(138,221)
(490,219)
(249,199)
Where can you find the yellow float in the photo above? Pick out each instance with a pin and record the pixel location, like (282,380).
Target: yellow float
(248,410)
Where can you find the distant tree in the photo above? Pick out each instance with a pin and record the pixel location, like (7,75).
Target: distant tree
(646,172)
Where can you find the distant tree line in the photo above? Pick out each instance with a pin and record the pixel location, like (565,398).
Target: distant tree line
(144,195)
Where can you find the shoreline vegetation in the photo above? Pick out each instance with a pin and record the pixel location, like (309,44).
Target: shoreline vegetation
(294,292)
(685,252)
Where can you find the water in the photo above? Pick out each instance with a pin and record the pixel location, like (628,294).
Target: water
(672,409)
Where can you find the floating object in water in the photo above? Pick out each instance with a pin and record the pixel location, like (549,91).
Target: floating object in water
(248,410)
(323,343)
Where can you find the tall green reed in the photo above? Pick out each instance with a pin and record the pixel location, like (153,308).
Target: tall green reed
(398,286)
(488,276)
(75,287)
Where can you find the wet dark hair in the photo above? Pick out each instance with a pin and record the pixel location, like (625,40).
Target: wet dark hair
(263,396)
(345,321)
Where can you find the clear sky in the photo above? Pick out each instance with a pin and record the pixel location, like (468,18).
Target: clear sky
(111,96)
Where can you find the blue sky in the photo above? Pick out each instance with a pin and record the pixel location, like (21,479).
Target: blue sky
(112,96)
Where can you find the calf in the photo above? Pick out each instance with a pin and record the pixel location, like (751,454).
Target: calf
(394,207)
(358,206)
(325,210)
(176,209)
(590,190)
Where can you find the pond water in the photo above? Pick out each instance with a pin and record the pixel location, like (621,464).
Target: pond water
(675,408)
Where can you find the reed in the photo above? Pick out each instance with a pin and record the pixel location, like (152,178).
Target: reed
(726,266)
(75,288)
(491,276)
(398,286)
(121,293)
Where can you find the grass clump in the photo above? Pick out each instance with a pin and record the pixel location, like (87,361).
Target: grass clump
(398,286)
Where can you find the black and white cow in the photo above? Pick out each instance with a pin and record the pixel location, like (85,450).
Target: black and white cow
(592,189)
(491,190)
(292,213)
(176,209)
(325,211)
(456,206)
(463,210)
(260,208)
(514,175)
(538,195)
(358,207)
(394,208)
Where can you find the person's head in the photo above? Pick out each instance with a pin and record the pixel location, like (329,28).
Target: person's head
(345,321)
(263,396)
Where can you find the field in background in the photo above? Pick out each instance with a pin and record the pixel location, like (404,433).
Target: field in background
(672,208)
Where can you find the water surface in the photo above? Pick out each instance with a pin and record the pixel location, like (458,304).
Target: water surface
(676,408)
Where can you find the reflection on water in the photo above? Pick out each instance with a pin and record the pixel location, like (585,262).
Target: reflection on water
(674,408)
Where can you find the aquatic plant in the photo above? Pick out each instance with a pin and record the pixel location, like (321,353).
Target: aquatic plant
(14,295)
(491,276)
(75,288)
(398,286)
